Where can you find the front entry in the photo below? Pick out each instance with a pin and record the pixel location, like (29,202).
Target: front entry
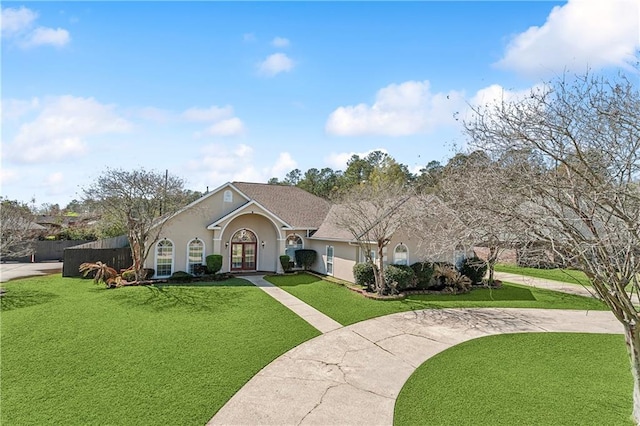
(244,248)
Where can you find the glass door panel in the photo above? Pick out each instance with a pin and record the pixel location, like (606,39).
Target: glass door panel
(249,256)
(236,256)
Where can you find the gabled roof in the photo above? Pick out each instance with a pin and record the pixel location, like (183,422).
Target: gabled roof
(293,205)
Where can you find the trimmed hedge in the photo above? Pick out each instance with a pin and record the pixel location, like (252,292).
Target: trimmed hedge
(423,272)
(214,263)
(305,257)
(474,268)
(364,275)
(399,277)
(180,277)
(284,261)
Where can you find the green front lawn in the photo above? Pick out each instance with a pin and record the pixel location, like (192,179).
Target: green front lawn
(533,379)
(564,275)
(76,353)
(348,307)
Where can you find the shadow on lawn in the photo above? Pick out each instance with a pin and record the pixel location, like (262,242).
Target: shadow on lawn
(17,298)
(185,297)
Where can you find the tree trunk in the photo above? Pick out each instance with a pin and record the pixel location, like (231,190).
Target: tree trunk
(632,336)
(491,263)
(383,285)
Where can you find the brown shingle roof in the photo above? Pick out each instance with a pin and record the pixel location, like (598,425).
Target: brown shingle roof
(295,206)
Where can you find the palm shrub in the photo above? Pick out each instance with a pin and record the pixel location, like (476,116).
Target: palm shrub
(474,268)
(305,257)
(450,279)
(399,277)
(423,272)
(103,273)
(284,261)
(214,263)
(364,275)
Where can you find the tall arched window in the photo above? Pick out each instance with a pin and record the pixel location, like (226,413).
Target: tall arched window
(195,254)
(401,255)
(164,258)
(293,243)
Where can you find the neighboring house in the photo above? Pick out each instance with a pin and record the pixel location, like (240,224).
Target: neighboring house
(252,224)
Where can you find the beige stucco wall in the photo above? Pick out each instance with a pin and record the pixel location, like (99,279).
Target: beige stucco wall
(193,222)
(344,257)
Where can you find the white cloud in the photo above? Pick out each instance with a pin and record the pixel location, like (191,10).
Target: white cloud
(577,35)
(495,94)
(18,24)
(280,42)
(156,115)
(15,21)
(229,127)
(42,36)
(399,110)
(284,164)
(275,64)
(220,163)
(8,176)
(13,109)
(338,161)
(54,179)
(214,113)
(62,127)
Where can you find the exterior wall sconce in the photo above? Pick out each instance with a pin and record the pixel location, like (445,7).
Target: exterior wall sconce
(226,244)
(262,244)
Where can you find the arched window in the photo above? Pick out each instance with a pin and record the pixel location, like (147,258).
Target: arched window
(293,243)
(401,255)
(227,196)
(164,258)
(195,255)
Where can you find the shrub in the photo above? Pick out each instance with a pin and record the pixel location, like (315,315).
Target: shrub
(305,257)
(180,277)
(364,275)
(214,263)
(285,262)
(449,279)
(148,273)
(474,268)
(399,277)
(200,269)
(129,275)
(423,272)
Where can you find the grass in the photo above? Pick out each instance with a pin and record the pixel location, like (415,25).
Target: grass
(532,379)
(348,307)
(76,353)
(564,275)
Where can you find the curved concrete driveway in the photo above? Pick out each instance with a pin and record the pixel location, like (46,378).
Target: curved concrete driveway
(352,375)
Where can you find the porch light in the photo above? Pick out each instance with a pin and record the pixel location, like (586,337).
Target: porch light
(226,244)
(262,244)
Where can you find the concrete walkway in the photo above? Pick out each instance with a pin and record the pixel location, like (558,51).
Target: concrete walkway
(310,314)
(352,375)
(14,270)
(546,284)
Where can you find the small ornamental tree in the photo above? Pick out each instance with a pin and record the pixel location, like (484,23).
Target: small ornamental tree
(214,263)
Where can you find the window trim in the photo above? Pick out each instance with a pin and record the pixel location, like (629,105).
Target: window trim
(395,251)
(292,259)
(173,257)
(188,260)
(330,262)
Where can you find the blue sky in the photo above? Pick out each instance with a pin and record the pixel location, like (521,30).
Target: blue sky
(216,92)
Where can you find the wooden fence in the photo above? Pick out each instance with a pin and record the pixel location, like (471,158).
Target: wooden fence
(48,250)
(110,251)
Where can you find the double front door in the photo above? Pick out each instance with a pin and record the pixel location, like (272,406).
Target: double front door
(243,256)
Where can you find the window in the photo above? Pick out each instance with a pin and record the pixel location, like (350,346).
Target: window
(292,244)
(372,253)
(329,260)
(227,196)
(401,255)
(195,255)
(164,258)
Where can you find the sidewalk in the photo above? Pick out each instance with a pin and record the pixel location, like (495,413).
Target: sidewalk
(311,315)
(546,284)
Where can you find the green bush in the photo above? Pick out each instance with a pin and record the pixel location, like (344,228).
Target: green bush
(474,268)
(214,263)
(180,277)
(129,275)
(148,273)
(305,257)
(364,275)
(284,261)
(399,277)
(423,272)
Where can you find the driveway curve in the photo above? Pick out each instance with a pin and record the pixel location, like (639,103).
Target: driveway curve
(353,375)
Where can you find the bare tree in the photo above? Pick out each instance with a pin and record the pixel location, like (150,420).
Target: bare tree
(372,213)
(17,229)
(136,200)
(471,186)
(576,172)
